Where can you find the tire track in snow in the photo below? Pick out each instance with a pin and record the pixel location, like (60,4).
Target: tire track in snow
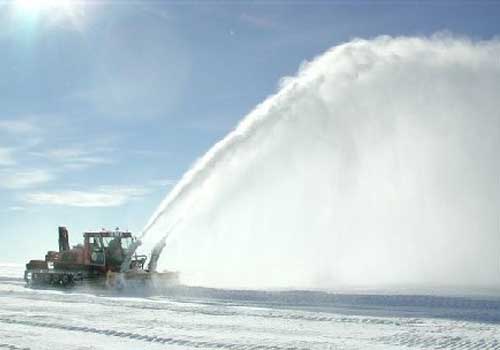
(11,347)
(148,338)
(283,314)
(410,340)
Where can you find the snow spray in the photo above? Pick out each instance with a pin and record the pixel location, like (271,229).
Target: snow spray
(375,166)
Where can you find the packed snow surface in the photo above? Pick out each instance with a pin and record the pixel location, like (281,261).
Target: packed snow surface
(188,317)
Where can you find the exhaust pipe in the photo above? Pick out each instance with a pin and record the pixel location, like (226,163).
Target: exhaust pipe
(63,239)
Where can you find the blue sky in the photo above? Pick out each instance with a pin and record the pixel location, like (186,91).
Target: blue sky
(104,105)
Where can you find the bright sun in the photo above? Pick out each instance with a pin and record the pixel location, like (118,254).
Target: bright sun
(52,11)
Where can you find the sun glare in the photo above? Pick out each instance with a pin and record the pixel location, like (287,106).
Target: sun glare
(51,11)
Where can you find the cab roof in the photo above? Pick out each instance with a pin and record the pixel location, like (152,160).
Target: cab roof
(106,233)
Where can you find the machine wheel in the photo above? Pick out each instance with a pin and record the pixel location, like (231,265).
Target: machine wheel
(64,280)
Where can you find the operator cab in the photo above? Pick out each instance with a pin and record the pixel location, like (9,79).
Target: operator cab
(108,248)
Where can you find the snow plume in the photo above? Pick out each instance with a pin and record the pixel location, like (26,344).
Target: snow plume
(376,166)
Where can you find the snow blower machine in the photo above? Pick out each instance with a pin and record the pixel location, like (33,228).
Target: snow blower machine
(105,259)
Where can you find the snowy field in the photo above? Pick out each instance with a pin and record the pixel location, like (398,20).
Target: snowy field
(201,318)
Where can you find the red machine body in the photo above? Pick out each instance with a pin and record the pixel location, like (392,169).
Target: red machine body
(102,254)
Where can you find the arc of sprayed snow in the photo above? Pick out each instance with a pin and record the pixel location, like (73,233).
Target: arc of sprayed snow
(249,126)
(259,117)
(253,122)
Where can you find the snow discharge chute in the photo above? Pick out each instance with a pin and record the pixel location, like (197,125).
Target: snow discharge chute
(377,166)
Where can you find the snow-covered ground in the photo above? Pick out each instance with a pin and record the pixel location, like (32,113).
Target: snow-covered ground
(189,318)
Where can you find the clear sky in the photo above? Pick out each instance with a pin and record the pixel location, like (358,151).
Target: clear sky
(104,105)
